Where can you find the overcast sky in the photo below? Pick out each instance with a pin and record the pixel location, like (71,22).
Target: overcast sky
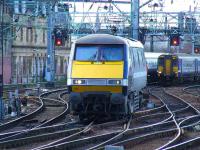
(168,5)
(179,5)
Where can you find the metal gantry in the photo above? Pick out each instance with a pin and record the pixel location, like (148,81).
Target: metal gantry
(124,18)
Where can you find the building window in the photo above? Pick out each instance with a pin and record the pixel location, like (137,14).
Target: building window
(21,36)
(56,62)
(35,37)
(24,65)
(5,46)
(61,65)
(30,65)
(44,35)
(14,65)
(14,33)
(31,34)
(27,35)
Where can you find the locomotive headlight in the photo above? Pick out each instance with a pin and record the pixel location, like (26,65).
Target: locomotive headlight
(114,82)
(79,81)
(176,74)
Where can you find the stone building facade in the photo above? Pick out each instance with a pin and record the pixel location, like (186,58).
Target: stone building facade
(29,50)
(7,43)
(29,44)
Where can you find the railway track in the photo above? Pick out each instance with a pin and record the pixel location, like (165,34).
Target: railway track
(158,128)
(46,115)
(190,133)
(93,142)
(62,135)
(193,90)
(176,105)
(190,136)
(181,113)
(91,134)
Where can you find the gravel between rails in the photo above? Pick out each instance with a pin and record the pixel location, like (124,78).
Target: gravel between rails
(193,100)
(142,121)
(46,117)
(37,120)
(148,144)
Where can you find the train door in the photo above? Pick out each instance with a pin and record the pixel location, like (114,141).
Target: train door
(180,68)
(168,65)
(175,66)
(131,68)
(160,67)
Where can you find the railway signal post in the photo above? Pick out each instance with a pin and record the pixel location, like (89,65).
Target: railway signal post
(50,72)
(1,66)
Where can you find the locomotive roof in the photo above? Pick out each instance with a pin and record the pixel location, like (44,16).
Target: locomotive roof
(182,55)
(152,54)
(106,39)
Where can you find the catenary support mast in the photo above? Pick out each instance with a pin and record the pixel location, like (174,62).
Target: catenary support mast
(50,71)
(135,19)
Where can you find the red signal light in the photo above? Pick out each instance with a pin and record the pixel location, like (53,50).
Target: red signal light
(175,41)
(58,42)
(197,50)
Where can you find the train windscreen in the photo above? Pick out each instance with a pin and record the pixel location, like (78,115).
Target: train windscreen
(161,61)
(99,53)
(175,62)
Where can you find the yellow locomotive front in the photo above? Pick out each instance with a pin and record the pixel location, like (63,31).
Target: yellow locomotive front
(167,67)
(96,77)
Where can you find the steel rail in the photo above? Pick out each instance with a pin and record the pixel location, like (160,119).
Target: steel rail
(58,117)
(142,131)
(196,110)
(153,110)
(147,136)
(136,129)
(42,130)
(190,87)
(18,120)
(111,136)
(61,145)
(60,142)
(177,126)
(118,133)
(21,133)
(57,142)
(172,142)
(177,130)
(191,142)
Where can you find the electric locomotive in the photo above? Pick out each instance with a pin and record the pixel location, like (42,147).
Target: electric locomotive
(106,74)
(178,67)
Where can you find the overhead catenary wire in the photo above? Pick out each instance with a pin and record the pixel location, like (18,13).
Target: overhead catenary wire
(33,14)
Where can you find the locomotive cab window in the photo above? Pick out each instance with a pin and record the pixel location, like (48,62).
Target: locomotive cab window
(161,61)
(99,53)
(86,53)
(175,61)
(132,56)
